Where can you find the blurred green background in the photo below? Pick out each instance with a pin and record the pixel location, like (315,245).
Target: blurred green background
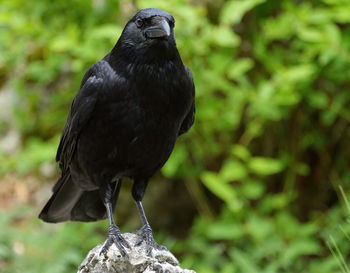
(259,185)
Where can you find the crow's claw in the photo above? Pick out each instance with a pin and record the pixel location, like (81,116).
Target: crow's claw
(115,237)
(145,234)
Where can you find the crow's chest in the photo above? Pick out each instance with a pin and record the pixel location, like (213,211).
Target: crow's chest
(151,111)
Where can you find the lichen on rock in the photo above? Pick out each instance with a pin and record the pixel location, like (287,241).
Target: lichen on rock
(137,261)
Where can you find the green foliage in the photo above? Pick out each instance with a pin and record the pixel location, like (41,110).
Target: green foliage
(235,242)
(270,139)
(38,247)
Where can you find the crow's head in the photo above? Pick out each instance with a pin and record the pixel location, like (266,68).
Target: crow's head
(149,28)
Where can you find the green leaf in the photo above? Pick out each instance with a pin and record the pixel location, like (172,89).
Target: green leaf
(177,158)
(297,73)
(221,189)
(259,228)
(252,189)
(244,261)
(239,67)
(299,247)
(223,230)
(224,36)
(265,165)
(218,186)
(233,170)
(240,151)
(233,11)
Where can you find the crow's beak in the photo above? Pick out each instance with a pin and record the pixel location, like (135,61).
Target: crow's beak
(160,29)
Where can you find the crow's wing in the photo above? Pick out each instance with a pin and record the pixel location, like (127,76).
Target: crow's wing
(98,77)
(189,119)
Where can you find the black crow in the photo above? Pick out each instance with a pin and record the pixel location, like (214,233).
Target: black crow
(124,121)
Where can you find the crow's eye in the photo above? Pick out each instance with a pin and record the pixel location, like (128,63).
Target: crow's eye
(139,22)
(171,24)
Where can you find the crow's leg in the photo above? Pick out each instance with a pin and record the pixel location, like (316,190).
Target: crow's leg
(145,232)
(114,235)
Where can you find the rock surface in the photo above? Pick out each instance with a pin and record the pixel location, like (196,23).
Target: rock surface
(160,261)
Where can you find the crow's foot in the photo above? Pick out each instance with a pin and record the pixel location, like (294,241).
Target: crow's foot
(114,236)
(146,236)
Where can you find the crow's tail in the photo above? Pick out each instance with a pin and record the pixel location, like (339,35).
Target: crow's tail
(71,203)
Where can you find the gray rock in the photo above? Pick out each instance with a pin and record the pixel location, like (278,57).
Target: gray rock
(160,261)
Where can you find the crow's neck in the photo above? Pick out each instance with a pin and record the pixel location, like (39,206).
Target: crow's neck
(128,60)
